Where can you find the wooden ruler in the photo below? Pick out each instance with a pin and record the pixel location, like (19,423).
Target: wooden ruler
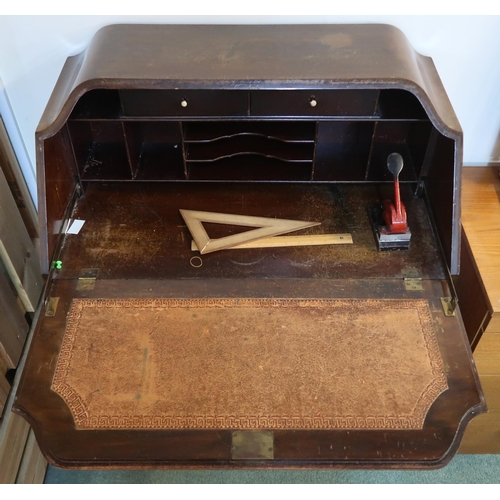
(292,241)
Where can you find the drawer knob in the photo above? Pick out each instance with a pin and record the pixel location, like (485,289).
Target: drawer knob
(313,102)
(184,103)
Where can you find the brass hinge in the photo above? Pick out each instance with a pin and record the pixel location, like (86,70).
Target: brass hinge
(449,306)
(248,445)
(413,284)
(87,279)
(51,306)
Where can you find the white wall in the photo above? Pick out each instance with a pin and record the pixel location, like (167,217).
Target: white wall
(465,49)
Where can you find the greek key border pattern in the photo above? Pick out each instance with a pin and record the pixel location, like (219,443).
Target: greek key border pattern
(389,304)
(246,422)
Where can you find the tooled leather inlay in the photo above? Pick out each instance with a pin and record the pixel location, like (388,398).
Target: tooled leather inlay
(249,364)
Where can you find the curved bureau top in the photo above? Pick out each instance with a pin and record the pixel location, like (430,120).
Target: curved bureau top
(250,56)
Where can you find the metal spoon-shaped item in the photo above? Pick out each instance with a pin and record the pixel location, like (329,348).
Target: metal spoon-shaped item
(395,165)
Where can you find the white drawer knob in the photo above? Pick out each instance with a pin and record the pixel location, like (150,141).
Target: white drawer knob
(184,103)
(313,102)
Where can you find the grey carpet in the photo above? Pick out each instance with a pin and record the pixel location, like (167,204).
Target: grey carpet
(468,469)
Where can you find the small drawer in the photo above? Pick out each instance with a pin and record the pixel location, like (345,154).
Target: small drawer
(184,102)
(341,102)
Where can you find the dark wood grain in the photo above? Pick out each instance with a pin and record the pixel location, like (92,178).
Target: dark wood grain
(135,230)
(57,178)
(443,190)
(472,297)
(66,447)
(197,102)
(326,102)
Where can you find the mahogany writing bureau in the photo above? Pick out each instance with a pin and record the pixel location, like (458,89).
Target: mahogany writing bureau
(348,355)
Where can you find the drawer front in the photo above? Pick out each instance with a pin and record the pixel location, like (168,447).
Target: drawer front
(472,298)
(340,102)
(184,102)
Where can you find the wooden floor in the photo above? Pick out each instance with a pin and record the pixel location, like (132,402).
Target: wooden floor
(481,222)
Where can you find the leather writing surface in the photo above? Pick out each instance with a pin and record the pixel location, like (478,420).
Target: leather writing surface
(249,363)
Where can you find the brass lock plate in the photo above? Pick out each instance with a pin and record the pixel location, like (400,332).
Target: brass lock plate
(252,445)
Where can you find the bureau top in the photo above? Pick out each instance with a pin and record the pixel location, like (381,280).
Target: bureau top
(250,57)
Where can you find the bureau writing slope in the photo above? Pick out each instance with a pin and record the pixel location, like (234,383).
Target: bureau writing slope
(302,356)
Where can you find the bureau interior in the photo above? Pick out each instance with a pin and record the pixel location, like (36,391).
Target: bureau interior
(135,160)
(135,230)
(132,139)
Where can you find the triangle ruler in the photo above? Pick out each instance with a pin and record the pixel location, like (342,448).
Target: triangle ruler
(265,227)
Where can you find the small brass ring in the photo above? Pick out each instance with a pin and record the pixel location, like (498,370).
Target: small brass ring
(195,257)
